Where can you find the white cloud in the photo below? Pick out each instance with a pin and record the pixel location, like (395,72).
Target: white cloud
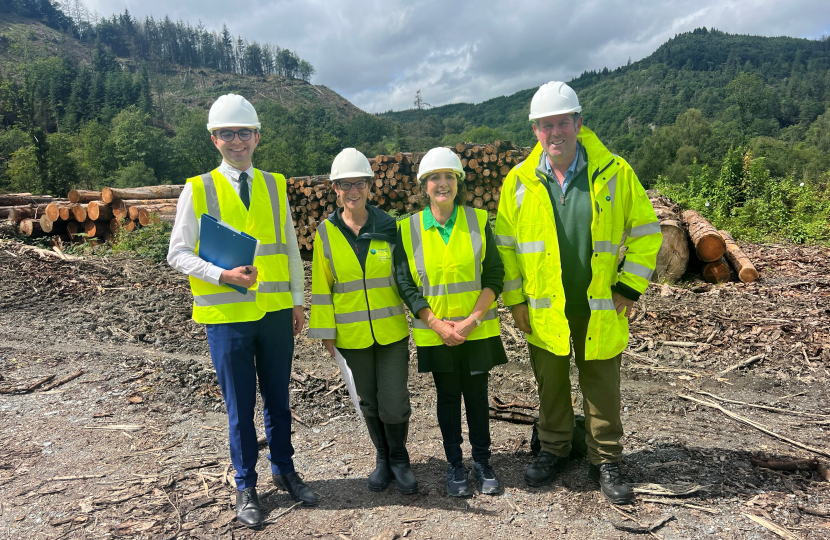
(378,54)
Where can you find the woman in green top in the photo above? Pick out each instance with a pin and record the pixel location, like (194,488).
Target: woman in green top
(449,274)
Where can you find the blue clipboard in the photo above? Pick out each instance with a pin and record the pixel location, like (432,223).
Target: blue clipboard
(225,247)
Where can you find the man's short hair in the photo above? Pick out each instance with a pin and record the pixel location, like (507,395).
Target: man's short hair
(576,116)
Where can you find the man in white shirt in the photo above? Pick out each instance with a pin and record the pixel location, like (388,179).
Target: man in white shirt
(251,334)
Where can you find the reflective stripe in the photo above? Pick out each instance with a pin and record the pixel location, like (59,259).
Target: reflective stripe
(219,299)
(477,241)
(321,300)
(322,333)
(637,269)
(379,283)
(418,248)
(274,194)
(489,316)
(348,286)
(271,249)
(512,285)
(520,194)
(273,287)
(324,236)
(612,190)
(539,303)
(449,288)
(211,196)
(601,304)
(523,248)
(364,316)
(645,230)
(505,240)
(605,246)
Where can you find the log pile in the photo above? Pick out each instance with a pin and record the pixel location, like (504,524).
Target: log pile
(395,186)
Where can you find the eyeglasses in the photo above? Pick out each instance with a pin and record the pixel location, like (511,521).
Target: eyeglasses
(346,186)
(227,135)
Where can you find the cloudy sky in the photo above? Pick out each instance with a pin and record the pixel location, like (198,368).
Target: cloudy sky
(378,53)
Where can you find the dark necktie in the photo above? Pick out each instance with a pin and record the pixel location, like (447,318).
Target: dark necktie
(243,190)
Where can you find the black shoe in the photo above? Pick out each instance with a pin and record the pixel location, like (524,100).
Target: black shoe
(381,477)
(544,469)
(247,508)
(488,482)
(296,488)
(611,482)
(405,480)
(457,482)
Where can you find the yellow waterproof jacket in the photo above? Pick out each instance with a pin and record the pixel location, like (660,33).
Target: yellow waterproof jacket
(529,247)
(449,275)
(352,307)
(265,220)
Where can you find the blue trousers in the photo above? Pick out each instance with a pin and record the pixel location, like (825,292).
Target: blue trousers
(241,354)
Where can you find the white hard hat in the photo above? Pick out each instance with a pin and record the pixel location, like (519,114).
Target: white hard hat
(554,98)
(232,110)
(350,163)
(437,159)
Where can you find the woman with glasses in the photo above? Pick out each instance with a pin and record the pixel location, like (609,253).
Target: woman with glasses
(355,307)
(449,273)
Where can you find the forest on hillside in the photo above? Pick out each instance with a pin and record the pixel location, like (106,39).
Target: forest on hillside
(685,117)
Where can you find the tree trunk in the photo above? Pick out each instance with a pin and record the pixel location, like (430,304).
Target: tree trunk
(79,213)
(673,257)
(65,212)
(716,271)
(108,194)
(53,210)
(709,245)
(743,266)
(121,207)
(24,199)
(96,229)
(30,228)
(153,213)
(19,213)
(98,211)
(83,196)
(50,226)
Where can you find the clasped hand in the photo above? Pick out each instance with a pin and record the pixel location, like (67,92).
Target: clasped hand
(448,331)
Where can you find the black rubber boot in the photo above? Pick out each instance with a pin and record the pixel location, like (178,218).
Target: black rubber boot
(399,458)
(381,477)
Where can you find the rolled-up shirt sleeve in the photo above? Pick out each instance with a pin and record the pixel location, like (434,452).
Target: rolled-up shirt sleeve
(181,254)
(407,288)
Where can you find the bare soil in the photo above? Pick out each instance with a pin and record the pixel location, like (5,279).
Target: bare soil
(136,446)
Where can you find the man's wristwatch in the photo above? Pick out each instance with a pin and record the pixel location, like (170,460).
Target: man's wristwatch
(476,319)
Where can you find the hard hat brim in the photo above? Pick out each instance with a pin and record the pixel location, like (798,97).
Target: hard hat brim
(353,174)
(220,125)
(554,113)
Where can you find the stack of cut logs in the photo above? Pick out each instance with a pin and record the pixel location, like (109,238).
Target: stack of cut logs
(689,240)
(90,214)
(395,186)
(690,233)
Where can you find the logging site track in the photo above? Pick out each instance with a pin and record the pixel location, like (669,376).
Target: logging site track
(112,424)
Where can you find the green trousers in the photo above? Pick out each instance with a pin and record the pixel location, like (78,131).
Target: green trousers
(600,384)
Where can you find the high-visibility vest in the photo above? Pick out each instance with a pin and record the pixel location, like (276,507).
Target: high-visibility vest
(529,247)
(449,275)
(354,308)
(265,220)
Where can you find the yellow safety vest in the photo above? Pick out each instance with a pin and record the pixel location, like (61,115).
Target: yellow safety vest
(352,307)
(529,248)
(449,275)
(265,220)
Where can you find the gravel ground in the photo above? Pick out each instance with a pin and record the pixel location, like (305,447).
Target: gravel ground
(136,445)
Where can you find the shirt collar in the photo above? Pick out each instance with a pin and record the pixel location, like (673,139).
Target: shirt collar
(232,173)
(569,173)
(429,219)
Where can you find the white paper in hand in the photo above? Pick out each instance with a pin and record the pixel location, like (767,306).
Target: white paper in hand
(348,379)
